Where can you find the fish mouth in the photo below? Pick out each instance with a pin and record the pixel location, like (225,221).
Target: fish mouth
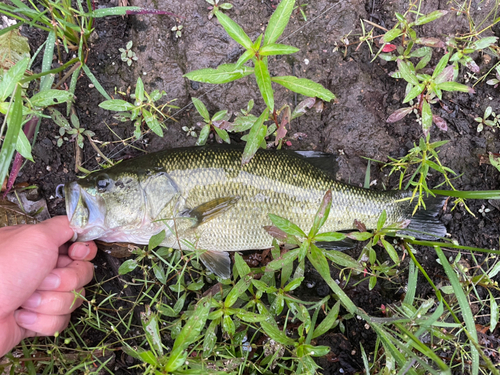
(86,213)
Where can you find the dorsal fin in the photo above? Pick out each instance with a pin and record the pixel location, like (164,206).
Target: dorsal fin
(322,160)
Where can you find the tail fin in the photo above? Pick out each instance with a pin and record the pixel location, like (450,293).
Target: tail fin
(424,224)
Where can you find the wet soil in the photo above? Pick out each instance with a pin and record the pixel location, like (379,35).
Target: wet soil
(353,128)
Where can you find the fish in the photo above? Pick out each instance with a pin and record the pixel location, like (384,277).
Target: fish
(204,198)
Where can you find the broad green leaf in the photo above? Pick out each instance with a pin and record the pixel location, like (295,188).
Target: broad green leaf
(210,338)
(294,284)
(202,139)
(285,259)
(407,73)
(305,87)
(228,325)
(220,115)
(117,105)
(255,137)
(241,265)
(317,258)
(343,259)
(360,236)
(484,42)
(286,226)
(329,237)
(391,251)
(202,110)
(188,335)
(156,240)
(327,323)
(234,30)
(372,282)
(127,266)
(23,146)
(273,332)
(414,92)
(239,289)
(151,328)
(250,317)
(139,90)
(278,21)
(263,79)
(152,123)
(322,213)
(390,35)
(426,116)
(114,11)
(242,123)
(441,65)
(148,357)
(263,287)
(50,97)
(455,86)
(430,17)
(12,77)
(13,48)
(381,220)
(423,62)
(222,134)
(277,49)
(223,74)
(421,52)
(247,55)
(14,122)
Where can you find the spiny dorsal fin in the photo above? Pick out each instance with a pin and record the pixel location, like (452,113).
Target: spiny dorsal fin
(322,160)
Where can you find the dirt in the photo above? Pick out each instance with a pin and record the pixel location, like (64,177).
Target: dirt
(354,127)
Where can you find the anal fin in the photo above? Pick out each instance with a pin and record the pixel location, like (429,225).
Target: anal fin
(218,262)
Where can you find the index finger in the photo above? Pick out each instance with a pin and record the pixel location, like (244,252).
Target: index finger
(56,230)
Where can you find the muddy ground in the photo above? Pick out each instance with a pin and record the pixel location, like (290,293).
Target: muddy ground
(354,127)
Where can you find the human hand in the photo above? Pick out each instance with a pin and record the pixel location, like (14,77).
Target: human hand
(38,272)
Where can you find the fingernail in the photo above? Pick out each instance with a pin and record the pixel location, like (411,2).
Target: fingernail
(26,317)
(52,281)
(34,301)
(80,251)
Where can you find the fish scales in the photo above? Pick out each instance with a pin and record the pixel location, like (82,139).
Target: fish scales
(206,197)
(278,183)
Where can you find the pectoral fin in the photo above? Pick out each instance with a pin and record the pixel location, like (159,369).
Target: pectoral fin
(218,262)
(206,211)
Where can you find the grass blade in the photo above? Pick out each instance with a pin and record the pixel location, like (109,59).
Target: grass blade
(464,307)
(94,80)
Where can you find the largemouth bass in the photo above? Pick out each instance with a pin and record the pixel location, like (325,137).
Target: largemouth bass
(205,197)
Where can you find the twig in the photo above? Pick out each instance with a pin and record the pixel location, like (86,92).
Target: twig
(94,146)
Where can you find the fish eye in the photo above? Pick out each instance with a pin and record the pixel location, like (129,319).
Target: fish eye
(103,182)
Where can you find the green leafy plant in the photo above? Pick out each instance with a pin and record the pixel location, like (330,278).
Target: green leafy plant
(216,7)
(66,129)
(258,52)
(177,29)
(144,110)
(127,55)
(215,123)
(489,118)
